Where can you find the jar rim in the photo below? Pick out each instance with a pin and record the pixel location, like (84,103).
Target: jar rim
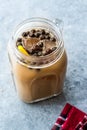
(39,58)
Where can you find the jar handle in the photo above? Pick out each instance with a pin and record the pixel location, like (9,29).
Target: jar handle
(60,24)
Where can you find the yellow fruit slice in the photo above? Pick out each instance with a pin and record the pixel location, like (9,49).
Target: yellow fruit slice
(22,50)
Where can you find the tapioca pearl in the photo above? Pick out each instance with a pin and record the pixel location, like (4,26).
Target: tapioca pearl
(31,34)
(38,69)
(25,34)
(31,51)
(48,51)
(33,31)
(33,63)
(42,37)
(53,39)
(37,34)
(43,31)
(19,40)
(47,37)
(54,48)
(30,68)
(18,43)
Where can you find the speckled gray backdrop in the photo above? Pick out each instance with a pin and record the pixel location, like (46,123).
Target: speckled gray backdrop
(16,115)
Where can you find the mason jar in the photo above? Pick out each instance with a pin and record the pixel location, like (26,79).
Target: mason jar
(38,78)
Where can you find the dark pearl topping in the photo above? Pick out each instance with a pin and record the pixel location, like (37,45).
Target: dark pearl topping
(31,52)
(24,34)
(40,44)
(38,48)
(48,51)
(18,43)
(47,37)
(31,68)
(31,34)
(53,39)
(42,37)
(19,40)
(38,69)
(33,63)
(54,48)
(33,30)
(37,34)
(43,31)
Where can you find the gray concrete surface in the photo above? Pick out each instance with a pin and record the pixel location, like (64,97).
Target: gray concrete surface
(16,115)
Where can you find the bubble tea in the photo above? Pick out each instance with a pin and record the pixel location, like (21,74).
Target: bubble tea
(38,60)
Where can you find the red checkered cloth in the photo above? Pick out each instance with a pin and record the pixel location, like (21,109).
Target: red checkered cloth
(71,118)
(82,125)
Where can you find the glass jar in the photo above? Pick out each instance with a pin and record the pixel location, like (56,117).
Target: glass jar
(38,78)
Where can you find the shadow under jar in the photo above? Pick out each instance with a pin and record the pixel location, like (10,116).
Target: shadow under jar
(38,77)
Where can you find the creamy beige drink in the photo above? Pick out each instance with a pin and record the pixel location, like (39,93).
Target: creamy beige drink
(39,63)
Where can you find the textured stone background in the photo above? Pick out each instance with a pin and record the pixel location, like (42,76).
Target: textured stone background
(16,115)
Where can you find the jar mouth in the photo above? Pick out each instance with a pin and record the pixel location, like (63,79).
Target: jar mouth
(32,23)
